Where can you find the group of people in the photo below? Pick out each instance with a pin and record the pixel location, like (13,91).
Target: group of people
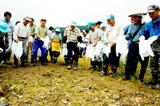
(77,43)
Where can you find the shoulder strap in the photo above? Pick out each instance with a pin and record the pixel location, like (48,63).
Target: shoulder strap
(135,33)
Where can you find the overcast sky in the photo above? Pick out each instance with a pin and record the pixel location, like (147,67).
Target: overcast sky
(61,12)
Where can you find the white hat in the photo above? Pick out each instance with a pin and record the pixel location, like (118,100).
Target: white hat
(57,30)
(103,25)
(137,12)
(84,31)
(27,18)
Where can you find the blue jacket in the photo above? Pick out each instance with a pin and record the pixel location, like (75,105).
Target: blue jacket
(152,29)
(132,29)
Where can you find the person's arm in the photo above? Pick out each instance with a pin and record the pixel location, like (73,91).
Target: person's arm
(106,40)
(145,32)
(36,32)
(98,39)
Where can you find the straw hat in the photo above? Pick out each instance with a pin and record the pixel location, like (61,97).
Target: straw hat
(137,12)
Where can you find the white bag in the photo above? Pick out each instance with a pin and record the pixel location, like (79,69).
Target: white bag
(82,45)
(90,51)
(107,50)
(46,42)
(39,53)
(17,49)
(98,48)
(31,39)
(145,49)
(64,52)
(122,47)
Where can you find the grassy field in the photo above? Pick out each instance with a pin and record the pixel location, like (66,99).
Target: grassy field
(54,85)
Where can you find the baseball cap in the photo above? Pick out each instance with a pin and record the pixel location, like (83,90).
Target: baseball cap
(152,8)
(111,16)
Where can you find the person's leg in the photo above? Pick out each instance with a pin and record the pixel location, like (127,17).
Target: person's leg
(69,54)
(105,65)
(144,65)
(43,54)
(34,51)
(76,56)
(15,62)
(51,54)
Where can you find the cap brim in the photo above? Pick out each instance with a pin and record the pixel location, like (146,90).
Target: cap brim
(137,14)
(150,11)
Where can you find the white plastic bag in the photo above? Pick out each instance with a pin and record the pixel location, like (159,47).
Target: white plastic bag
(98,48)
(17,49)
(122,48)
(39,53)
(145,49)
(64,52)
(90,51)
(82,45)
(31,39)
(107,49)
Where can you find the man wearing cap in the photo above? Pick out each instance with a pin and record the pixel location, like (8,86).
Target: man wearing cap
(55,43)
(22,33)
(72,40)
(3,33)
(132,36)
(32,34)
(111,34)
(94,38)
(153,30)
(41,31)
(8,44)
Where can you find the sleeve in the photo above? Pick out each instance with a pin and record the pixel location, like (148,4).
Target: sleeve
(126,29)
(120,30)
(36,30)
(99,33)
(145,32)
(28,34)
(15,34)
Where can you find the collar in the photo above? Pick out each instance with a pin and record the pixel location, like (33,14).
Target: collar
(158,20)
(7,22)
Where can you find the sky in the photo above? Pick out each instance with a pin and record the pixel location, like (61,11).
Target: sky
(59,13)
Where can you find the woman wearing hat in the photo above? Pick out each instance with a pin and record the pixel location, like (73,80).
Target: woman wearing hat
(3,32)
(133,35)
(55,45)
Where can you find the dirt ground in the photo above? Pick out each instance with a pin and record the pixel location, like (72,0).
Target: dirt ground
(54,85)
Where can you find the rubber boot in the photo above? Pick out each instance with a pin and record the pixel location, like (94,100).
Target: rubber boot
(32,61)
(75,65)
(99,66)
(105,69)
(15,62)
(22,61)
(156,84)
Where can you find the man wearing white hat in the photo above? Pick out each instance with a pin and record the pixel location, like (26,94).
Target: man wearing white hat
(72,39)
(3,33)
(132,36)
(153,30)
(55,44)
(22,33)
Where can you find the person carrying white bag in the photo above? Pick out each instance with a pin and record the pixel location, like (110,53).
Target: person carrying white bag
(153,29)
(22,33)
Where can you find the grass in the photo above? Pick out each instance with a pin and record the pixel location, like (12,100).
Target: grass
(54,85)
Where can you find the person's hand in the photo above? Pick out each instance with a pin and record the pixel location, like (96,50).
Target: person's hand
(17,40)
(112,44)
(94,45)
(141,38)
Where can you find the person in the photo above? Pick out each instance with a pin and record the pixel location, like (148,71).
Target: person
(8,44)
(133,35)
(103,29)
(3,33)
(72,39)
(51,31)
(98,24)
(153,29)
(41,31)
(32,34)
(22,33)
(55,43)
(94,38)
(111,34)
(82,49)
